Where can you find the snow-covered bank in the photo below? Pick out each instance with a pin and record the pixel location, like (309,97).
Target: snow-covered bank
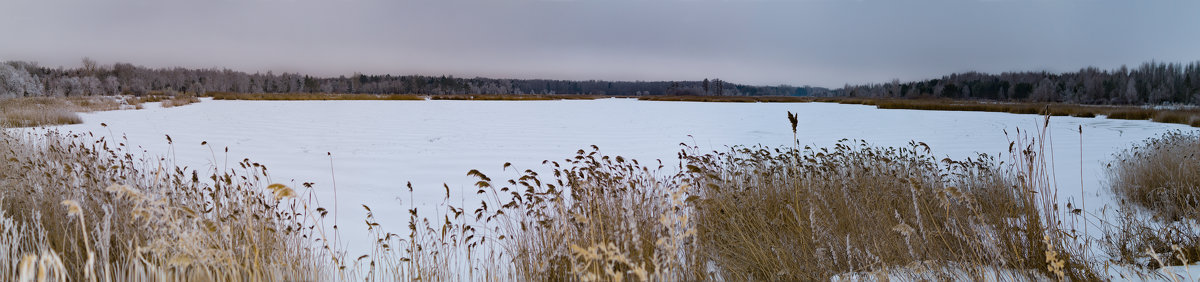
(378,146)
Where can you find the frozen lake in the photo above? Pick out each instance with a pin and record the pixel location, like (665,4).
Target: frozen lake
(378,146)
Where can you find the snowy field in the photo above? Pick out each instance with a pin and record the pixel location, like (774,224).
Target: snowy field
(378,146)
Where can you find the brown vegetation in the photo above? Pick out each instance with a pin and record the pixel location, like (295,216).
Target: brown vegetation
(90,210)
(1158,180)
(514,97)
(308,96)
(1186,116)
(810,214)
(741,99)
(44,111)
(168,99)
(335,96)
(179,100)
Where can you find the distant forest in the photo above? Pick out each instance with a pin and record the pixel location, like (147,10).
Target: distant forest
(1149,83)
(26,79)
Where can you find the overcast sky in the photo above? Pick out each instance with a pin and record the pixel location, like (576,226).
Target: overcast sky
(822,43)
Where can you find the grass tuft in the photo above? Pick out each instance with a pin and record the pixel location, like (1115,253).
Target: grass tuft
(1161,175)
(1158,185)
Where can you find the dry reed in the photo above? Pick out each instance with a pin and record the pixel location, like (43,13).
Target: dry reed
(308,96)
(737,99)
(81,209)
(100,213)
(46,111)
(179,100)
(813,214)
(1157,184)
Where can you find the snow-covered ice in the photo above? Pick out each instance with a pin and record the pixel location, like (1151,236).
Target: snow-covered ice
(378,146)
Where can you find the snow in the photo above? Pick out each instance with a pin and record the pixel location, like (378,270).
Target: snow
(378,146)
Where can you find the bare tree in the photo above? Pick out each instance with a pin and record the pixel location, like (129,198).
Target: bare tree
(89,66)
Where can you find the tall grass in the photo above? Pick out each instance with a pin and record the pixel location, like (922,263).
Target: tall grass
(1179,115)
(308,96)
(741,99)
(1158,185)
(179,100)
(757,213)
(44,111)
(602,218)
(1161,175)
(811,214)
(168,99)
(93,211)
(514,97)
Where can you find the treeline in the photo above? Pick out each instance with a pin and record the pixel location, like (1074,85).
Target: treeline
(1149,83)
(25,79)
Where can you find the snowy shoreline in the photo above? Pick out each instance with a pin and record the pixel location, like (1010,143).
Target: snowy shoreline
(377,146)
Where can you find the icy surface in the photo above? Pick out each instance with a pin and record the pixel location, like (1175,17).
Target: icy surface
(378,146)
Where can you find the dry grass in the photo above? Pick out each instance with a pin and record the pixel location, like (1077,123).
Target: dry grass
(137,100)
(308,96)
(1016,108)
(93,211)
(599,218)
(44,111)
(1161,175)
(811,214)
(602,218)
(1165,115)
(1158,185)
(756,213)
(750,213)
(167,101)
(1132,114)
(334,96)
(179,100)
(1188,116)
(740,99)
(514,97)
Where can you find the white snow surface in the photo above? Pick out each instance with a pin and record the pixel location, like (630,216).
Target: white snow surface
(378,146)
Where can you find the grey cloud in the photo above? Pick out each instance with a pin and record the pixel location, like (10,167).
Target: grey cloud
(824,43)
